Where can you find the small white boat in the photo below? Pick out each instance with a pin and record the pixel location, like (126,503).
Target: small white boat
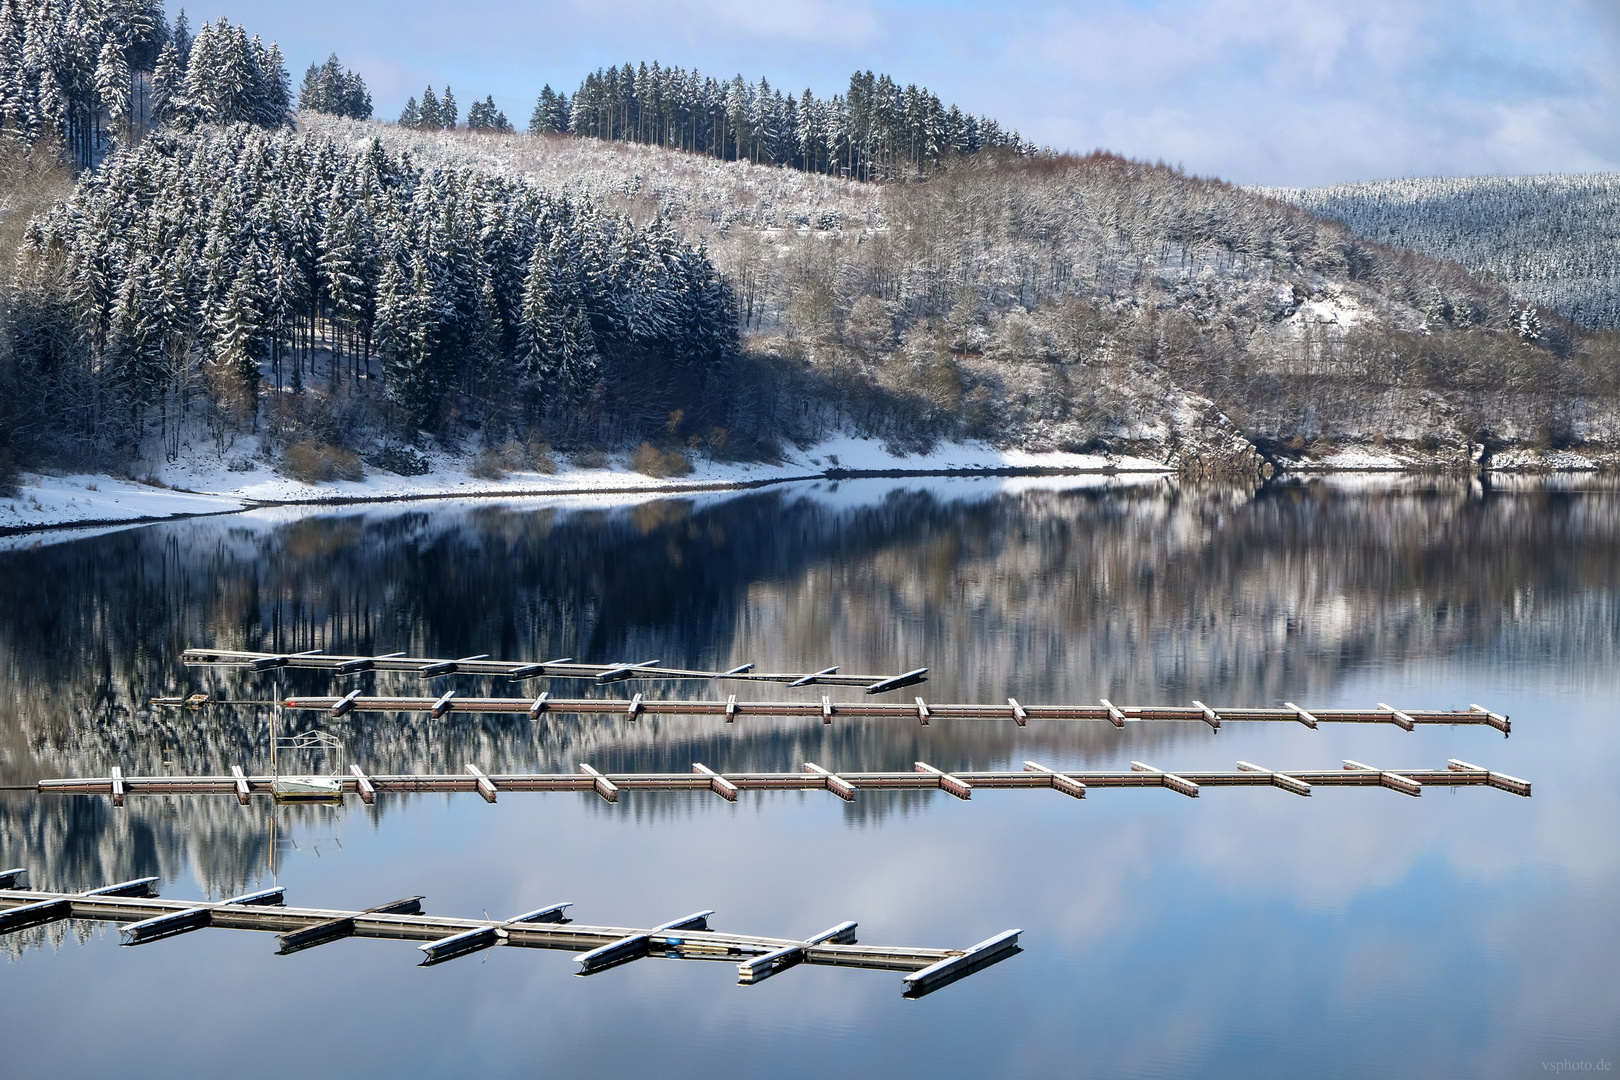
(307,788)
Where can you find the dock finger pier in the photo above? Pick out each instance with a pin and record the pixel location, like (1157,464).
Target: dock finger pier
(143,917)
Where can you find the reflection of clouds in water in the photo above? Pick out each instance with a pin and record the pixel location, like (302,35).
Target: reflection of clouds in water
(1167,934)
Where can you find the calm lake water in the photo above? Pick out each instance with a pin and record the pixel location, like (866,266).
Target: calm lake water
(1244,933)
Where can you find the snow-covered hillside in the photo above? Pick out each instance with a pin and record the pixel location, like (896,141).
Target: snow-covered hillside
(1554,240)
(1056,303)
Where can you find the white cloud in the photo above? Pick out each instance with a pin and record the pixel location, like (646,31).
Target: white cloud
(1291,92)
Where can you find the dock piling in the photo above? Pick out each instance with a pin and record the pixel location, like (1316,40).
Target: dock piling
(947,783)
(1398,717)
(604,787)
(1501,781)
(337,929)
(1058,781)
(243,792)
(1304,717)
(1280,780)
(1170,780)
(362,782)
(486,786)
(759,968)
(945,972)
(835,783)
(1393,781)
(717,783)
(1496,720)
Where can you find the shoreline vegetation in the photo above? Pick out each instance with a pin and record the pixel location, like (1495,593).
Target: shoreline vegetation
(47,502)
(232,296)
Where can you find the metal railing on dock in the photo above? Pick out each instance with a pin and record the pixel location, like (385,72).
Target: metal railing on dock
(960,783)
(919,710)
(145,918)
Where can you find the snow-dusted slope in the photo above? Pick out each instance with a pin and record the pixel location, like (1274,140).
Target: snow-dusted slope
(199,483)
(1554,240)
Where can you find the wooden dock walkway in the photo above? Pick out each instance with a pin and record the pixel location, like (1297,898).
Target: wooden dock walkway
(144,918)
(564,668)
(845,785)
(919,710)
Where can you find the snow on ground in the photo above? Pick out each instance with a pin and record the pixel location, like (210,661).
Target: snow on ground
(65,500)
(1363,459)
(1544,461)
(848,452)
(202,484)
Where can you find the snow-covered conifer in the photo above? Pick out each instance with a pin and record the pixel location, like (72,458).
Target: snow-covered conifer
(112,85)
(180,35)
(168,84)
(428,118)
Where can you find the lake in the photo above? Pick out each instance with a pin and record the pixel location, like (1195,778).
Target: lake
(1247,932)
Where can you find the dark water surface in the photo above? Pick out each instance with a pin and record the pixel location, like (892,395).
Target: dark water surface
(1244,933)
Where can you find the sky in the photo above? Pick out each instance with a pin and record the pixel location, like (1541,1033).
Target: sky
(1288,92)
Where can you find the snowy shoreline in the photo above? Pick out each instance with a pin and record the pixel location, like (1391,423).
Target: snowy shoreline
(200,488)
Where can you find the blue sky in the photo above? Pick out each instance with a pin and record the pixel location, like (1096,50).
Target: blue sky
(1254,91)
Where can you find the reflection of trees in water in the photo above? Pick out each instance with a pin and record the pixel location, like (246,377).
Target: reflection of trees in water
(1149,593)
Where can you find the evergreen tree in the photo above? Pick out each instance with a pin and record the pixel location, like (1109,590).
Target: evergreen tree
(410,116)
(112,85)
(355,100)
(14,103)
(428,116)
(272,91)
(329,88)
(313,93)
(168,85)
(180,36)
(447,110)
(237,329)
(550,116)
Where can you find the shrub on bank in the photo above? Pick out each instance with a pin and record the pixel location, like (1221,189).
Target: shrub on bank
(590,457)
(496,461)
(314,462)
(651,461)
(490,465)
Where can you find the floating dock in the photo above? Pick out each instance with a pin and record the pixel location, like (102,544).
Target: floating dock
(845,785)
(144,918)
(565,668)
(919,710)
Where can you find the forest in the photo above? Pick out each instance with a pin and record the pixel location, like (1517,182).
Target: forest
(1061,302)
(694,265)
(876,131)
(1551,239)
(186,271)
